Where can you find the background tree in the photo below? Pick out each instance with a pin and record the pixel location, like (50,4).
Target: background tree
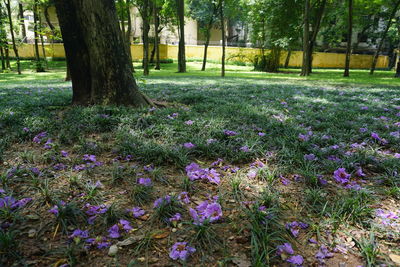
(349,38)
(205,12)
(181,30)
(96,55)
(22,21)
(14,42)
(305,69)
(395,7)
(39,65)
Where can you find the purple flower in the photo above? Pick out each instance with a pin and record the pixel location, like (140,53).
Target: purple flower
(59,167)
(189,122)
(364,108)
(184,197)
(395,134)
(245,149)
(25,129)
(261,134)
(285,248)
(397,155)
(144,181)
(126,225)
(64,153)
(210,141)
(54,210)
(363,130)
(378,138)
(88,158)
(341,176)
(310,157)
(230,133)
(252,174)
(296,260)
(177,217)
(148,168)
(213,176)
(102,245)
(323,253)
(80,234)
(295,227)
(162,201)
(189,145)
(334,158)
(213,212)
(181,250)
(284,180)
(360,172)
(38,138)
(48,144)
(137,212)
(113,232)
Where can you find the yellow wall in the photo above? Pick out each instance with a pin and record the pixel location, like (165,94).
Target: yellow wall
(322,60)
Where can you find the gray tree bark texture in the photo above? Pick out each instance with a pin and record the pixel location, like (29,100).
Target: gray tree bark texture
(97,57)
(181,52)
(305,70)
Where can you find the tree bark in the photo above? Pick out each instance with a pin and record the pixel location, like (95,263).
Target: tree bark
(223,37)
(181,52)
(316,28)
(39,66)
(3,60)
(48,21)
(128,33)
(10,22)
(97,57)
(305,71)
(207,43)
(289,54)
(146,29)
(349,38)
(68,74)
(156,37)
(22,22)
(8,64)
(42,42)
(378,50)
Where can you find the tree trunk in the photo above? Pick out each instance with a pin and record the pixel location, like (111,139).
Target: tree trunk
(146,29)
(68,74)
(316,28)
(153,52)
(223,38)
(349,38)
(128,34)
(305,71)
(398,68)
(48,21)
(289,54)
(42,42)
(208,34)
(22,22)
(181,52)
(8,64)
(10,22)
(156,37)
(39,66)
(97,57)
(378,50)
(3,60)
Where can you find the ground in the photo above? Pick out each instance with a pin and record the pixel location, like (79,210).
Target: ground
(263,169)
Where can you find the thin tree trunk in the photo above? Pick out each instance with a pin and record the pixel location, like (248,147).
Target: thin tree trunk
(22,22)
(42,42)
(122,16)
(153,52)
(398,68)
(378,50)
(8,63)
(48,21)
(39,67)
(10,22)
(305,71)
(156,36)
(208,34)
(97,57)
(289,54)
(128,37)
(3,60)
(181,52)
(316,28)
(146,29)
(349,38)
(223,37)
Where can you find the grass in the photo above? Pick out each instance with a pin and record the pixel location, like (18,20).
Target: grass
(292,134)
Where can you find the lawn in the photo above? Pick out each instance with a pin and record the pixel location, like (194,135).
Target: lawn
(253,169)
